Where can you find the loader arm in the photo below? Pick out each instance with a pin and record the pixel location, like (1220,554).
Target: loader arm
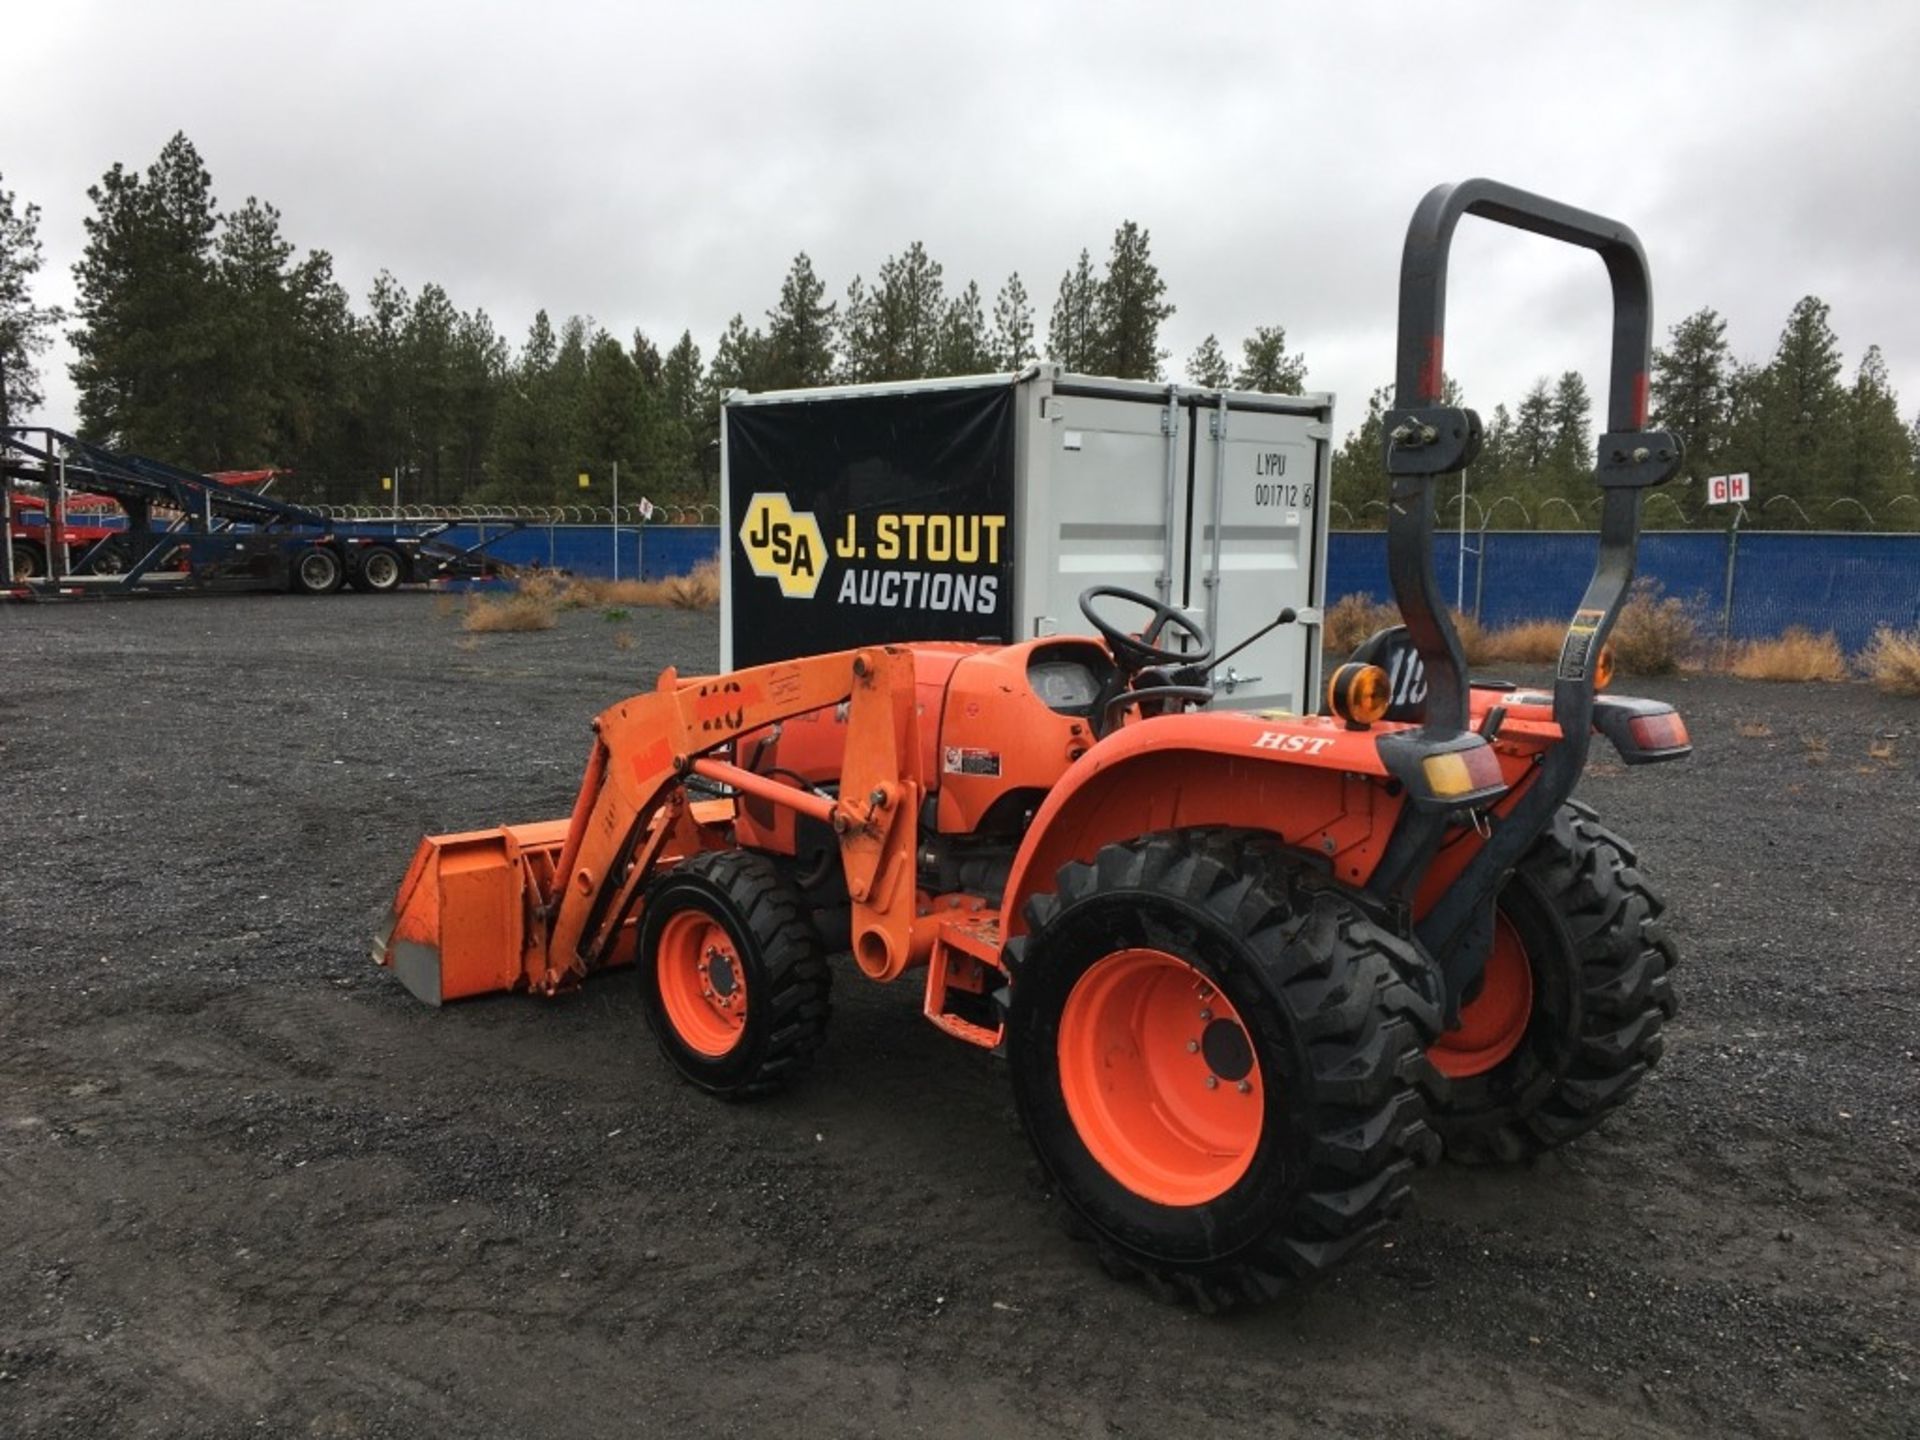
(633,808)
(537,907)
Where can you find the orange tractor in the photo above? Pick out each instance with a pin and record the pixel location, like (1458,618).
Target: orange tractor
(1247,971)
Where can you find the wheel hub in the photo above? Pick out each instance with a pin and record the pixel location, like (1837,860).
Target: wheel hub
(1494,1022)
(1160,1077)
(722,979)
(703,986)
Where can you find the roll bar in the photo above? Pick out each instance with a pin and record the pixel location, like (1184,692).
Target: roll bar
(1426,439)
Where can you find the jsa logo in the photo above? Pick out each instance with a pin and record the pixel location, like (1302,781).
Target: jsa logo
(784,545)
(1292,744)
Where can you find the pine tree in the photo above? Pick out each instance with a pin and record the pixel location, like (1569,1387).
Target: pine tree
(1012,342)
(611,413)
(1073,333)
(255,338)
(427,359)
(24,327)
(322,428)
(1878,458)
(965,347)
(1130,307)
(910,300)
(646,359)
(1208,365)
(1266,366)
(478,375)
(1570,422)
(800,330)
(147,355)
(1533,431)
(531,446)
(1359,467)
(385,383)
(1690,391)
(683,384)
(740,360)
(1804,410)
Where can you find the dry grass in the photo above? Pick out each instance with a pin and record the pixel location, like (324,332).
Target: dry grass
(1530,642)
(1655,634)
(1753,729)
(1892,661)
(1352,619)
(1796,654)
(516,612)
(698,591)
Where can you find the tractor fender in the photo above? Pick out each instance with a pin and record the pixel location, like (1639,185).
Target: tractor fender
(1308,781)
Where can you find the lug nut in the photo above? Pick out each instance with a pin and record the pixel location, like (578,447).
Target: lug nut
(1213,1082)
(1206,1014)
(1245,1087)
(1193,1047)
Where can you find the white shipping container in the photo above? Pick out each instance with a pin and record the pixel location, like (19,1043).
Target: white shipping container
(983,506)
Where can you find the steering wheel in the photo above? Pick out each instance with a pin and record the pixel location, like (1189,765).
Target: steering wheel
(1135,654)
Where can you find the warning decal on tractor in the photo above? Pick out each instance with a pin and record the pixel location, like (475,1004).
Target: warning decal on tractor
(1578,650)
(964,761)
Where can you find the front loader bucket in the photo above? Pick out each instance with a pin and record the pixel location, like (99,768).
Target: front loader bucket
(461,919)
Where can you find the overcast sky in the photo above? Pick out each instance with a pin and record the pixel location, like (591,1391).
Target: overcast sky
(659,166)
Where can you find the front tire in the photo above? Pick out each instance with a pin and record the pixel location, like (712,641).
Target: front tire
(1193,957)
(735,984)
(29,561)
(1569,1016)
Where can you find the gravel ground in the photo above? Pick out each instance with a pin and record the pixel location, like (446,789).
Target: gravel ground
(251,1187)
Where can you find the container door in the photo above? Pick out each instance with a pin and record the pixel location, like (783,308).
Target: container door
(1256,499)
(1115,505)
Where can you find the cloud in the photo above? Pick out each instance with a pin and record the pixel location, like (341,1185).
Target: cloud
(660,166)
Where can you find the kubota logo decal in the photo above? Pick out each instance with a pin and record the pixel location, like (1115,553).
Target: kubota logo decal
(784,545)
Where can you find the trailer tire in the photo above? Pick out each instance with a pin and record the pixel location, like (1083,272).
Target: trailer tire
(733,979)
(1590,963)
(381,570)
(29,560)
(109,559)
(1218,1056)
(317,570)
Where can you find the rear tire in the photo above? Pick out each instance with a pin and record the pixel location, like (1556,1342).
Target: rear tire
(1325,1018)
(380,572)
(317,570)
(735,985)
(1598,964)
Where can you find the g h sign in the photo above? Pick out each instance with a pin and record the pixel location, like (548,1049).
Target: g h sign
(1729,489)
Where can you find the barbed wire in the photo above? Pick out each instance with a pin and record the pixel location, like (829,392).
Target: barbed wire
(1815,516)
(669,513)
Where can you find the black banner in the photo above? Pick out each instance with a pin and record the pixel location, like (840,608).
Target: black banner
(868,519)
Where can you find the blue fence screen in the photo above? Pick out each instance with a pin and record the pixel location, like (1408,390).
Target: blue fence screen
(647,552)
(1850,584)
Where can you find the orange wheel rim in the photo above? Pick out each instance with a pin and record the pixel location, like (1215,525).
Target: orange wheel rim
(1160,1077)
(703,985)
(1492,1024)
